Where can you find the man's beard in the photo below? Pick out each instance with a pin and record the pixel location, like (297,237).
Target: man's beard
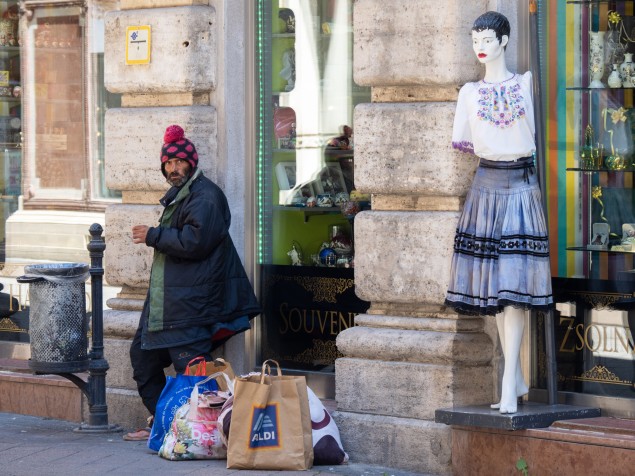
(177,180)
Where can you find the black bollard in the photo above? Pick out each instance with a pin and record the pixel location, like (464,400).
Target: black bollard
(98,366)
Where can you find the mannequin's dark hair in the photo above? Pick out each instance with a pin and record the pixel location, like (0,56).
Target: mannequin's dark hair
(493,21)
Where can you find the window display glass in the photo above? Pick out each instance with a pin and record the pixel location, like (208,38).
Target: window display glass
(587,82)
(307,196)
(10,115)
(53,104)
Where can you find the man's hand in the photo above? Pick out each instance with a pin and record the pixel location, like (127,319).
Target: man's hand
(139,233)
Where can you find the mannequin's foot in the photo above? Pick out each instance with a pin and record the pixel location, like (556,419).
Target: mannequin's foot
(521,390)
(496,406)
(509,387)
(512,408)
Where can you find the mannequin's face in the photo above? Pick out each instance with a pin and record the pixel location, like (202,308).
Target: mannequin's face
(486,45)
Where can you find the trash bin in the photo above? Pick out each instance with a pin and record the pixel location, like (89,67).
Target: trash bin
(58,324)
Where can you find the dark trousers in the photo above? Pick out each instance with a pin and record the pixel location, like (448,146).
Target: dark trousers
(148,366)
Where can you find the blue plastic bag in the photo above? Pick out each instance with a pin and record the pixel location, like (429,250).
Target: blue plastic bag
(176,392)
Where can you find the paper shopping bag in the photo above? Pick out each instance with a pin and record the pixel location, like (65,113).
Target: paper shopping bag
(208,368)
(271,423)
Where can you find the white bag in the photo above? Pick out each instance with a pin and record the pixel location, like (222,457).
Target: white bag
(327,445)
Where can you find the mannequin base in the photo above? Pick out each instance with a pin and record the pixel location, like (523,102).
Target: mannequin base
(529,415)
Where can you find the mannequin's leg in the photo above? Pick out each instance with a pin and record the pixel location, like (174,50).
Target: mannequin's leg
(514,326)
(521,386)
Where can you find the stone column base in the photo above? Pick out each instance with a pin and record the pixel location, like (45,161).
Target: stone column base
(403,443)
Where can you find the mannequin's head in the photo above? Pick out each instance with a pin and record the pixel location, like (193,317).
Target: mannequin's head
(490,34)
(494,21)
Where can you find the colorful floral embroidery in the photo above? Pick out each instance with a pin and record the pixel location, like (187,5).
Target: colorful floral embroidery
(464,146)
(500,104)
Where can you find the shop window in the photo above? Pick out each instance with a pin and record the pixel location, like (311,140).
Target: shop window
(588,83)
(307,199)
(53,102)
(10,114)
(64,102)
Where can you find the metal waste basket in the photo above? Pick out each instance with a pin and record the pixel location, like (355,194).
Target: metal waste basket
(58,324)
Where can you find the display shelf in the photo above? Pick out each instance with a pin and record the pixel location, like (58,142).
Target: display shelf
(591,2)
(603,169)
(598,90)
(338,152)
(7,51)
(586,249)
(309,211)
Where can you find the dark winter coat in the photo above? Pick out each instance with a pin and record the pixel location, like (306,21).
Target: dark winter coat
(197,277)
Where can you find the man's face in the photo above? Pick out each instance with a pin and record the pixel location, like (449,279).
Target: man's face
(177,171)
(486,45)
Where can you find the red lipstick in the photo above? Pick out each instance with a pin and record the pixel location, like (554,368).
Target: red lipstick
(482,55)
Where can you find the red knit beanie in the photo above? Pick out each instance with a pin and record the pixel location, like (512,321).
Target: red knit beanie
(177,146)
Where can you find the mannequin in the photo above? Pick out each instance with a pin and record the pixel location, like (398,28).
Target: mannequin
(500,265)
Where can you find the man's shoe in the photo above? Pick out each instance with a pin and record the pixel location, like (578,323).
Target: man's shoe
(141,434)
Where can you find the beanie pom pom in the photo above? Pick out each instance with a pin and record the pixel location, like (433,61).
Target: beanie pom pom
(173,133)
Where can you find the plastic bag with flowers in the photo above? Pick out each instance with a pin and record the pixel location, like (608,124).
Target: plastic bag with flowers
(194,432)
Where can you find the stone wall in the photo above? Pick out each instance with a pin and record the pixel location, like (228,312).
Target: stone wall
(409,355)
(184,84)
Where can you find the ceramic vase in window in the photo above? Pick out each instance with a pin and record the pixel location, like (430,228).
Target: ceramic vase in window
(614,80)
(626,70)
(596,58)
(613,49)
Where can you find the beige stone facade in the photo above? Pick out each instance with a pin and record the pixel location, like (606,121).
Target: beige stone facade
(406,356)
(185,84)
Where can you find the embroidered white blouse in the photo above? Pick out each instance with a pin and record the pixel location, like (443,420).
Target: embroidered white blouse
(495,121)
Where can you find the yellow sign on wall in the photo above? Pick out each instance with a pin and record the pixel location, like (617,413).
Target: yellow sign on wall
(138,44)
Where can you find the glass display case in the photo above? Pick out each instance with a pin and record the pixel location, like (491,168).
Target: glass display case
(10,115)
(307,197)
(588,82)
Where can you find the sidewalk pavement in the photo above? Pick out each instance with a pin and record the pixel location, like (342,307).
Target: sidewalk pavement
(37,446)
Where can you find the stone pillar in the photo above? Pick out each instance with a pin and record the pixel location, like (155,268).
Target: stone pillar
(409,355)
(183,84)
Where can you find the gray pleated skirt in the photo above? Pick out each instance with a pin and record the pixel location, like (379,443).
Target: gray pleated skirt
(501,249)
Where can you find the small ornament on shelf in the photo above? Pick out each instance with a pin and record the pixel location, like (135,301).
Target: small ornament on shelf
(288,17)
(628,238)
(596,58)
(295,254)
(627,71)
(600,237)
(615,160)
(614,49)
(596,194)
(598,156)
(586,151)
(614,80)
(327,255)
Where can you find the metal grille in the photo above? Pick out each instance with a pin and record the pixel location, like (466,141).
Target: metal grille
(58,322)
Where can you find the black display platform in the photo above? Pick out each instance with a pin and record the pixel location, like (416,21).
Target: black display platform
(529,415)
